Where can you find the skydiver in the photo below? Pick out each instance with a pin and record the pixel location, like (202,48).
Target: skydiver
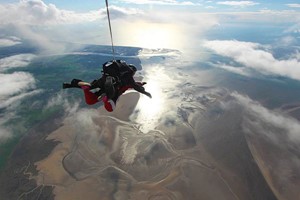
(110,87)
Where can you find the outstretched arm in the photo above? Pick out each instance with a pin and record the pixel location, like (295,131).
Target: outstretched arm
(138,86)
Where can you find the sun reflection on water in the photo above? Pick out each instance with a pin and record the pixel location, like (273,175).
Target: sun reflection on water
(152,106)
(150,111)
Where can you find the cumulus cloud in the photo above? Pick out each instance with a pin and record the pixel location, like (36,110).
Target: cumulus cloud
(47,41)
(12,102)
(120,12)
(15,83)
(273,139)
(49,27)
(236,70)
(61,99)
(160,2)
(45,24)
(265,119)
(261,16)
(20,60)
(9,102)
(164,30)
(36,12)
(253,56)
(293,5)
(5,132)
(238,3)
(287,41)
(14,88)
(293,29)
(10,41)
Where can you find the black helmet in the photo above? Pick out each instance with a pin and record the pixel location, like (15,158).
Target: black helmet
(132,67)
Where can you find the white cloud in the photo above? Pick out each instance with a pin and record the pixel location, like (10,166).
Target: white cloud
(169,29)
(10,41)
(252,55)
(264,119)
(49,27)
(120,12)
(287,41)
(236,70)
(15,83)
(10,103)
(13,101)
(273,138)
(46,40)
(14,88)
(160,2)
(296,55)
(45,24)
(295,28)
(36,12)
(20,60)
(238,3)
(5,132)
(293,5)
(60,99)
(261,16)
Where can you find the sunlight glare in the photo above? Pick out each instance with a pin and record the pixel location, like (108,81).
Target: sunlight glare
(152,106)
(154,35)
(152,110)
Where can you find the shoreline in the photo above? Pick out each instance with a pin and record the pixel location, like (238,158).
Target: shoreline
(20,165)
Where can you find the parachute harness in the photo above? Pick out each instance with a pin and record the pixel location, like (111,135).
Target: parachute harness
(111,35)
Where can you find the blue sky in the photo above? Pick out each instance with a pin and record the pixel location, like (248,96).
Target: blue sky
(204,5)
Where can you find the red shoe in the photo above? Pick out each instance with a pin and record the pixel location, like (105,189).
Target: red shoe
(108,104)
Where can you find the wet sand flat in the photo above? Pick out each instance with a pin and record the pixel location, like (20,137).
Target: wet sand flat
(107,156)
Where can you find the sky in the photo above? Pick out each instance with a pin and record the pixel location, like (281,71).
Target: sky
(77,5)
(171,24)
(145,23)
(247,32)
(189,26)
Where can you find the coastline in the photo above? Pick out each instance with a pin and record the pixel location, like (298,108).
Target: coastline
(16,178)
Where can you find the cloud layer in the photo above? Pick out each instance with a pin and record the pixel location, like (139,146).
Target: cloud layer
(36,12)
(14,88)
(45,24)
(160,2)
(293,5)
(20,60)
(238,3)
(254,56)
(10,41)
(265,118)
(16,82)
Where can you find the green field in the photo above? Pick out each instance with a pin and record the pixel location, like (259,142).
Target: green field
(50,72)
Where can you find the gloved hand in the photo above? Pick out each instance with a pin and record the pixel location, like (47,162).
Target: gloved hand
(148,94)
(143,83)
